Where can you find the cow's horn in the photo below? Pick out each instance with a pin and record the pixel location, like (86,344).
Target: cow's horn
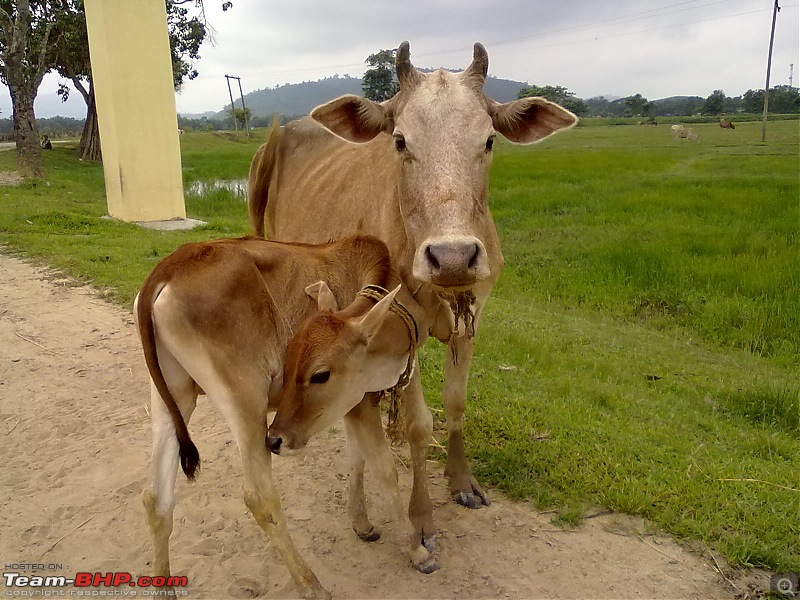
(407,75)
(480,63)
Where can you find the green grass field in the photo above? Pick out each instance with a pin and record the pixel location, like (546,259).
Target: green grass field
(640,351)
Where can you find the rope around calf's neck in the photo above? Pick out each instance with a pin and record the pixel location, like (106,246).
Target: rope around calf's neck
(377,293)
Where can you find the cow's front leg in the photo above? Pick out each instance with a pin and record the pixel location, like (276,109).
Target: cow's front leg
(364,425)
(463,486)
(419,432)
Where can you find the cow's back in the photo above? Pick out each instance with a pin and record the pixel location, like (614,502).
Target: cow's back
(324,188)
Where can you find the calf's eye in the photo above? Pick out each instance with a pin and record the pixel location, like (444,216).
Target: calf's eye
(489,144)
(399,143)
(320,377)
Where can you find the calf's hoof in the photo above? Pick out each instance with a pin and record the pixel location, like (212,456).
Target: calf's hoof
(370,536)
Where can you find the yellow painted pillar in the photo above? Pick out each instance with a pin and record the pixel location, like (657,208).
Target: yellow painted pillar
(132,74)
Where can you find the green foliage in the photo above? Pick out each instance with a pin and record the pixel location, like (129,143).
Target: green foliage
(638,106)
(648,311)
(714,104)
(558,94)
(379,82)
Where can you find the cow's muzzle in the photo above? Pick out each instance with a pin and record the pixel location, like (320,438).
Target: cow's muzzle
(451,262)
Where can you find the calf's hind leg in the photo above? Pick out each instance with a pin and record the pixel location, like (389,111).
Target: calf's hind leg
(159,497)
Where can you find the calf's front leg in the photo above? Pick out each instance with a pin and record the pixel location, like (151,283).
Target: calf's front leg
(364,427)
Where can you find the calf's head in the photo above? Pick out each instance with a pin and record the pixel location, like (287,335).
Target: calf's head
(331,361)
(442,130)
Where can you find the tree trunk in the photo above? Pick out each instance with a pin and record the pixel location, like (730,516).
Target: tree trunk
(89,148)
(26,134)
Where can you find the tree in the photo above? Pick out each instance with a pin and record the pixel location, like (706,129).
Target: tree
(25,56)
(714,104)
(243,116)
(186,33)
(638,106)
(782,99)
(379,82)
(558,94)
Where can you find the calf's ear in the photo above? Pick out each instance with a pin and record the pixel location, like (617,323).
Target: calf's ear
(320,292)
(371,323)
(529,120)
(353,118)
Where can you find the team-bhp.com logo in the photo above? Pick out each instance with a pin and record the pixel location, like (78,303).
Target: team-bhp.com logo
(88,584)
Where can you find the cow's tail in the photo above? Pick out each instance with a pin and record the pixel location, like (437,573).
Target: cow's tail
(189,456)
(261,170)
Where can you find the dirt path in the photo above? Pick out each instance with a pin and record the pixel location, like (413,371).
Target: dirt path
(74,458)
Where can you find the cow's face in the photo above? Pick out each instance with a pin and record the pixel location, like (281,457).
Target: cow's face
(330,363)
(442,129)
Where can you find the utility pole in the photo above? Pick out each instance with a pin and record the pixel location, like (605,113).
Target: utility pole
(791,73)
(244,110)
(776,9)
(233,106)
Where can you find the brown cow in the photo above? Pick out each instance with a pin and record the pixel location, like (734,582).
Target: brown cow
(412,171)
(726,124)
(215,317)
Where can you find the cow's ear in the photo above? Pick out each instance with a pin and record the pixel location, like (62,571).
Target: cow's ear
(353,118)
(371,323)
(323,295)
(529,120)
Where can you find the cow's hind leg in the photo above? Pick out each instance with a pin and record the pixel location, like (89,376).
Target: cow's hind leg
(463,486)
(364,426)
(159,497)
(246,415)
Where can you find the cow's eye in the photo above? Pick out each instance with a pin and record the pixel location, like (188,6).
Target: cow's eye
(490,143)
(399,142)
(321,377)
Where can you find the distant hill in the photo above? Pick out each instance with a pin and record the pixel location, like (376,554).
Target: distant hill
(296,99)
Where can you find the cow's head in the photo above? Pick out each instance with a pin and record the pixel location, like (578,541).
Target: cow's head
(442,128)
(332,360)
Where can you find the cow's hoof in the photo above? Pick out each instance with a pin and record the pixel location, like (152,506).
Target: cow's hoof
(430,544)
(471,500)
(370,536)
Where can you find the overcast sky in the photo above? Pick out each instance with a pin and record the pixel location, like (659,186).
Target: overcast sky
(658,48)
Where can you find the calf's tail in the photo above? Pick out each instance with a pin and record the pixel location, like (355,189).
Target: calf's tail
(187,451)
(261,169)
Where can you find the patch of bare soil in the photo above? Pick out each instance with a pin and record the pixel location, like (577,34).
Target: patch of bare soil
(10,178)
(75,456)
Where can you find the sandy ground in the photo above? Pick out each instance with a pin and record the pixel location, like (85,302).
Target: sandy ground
(74,458)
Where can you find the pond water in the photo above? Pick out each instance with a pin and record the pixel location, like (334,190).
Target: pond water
(237,187)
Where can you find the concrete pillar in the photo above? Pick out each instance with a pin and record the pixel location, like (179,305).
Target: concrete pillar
(132,73)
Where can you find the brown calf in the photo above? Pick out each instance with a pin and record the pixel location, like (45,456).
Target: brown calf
(215,318)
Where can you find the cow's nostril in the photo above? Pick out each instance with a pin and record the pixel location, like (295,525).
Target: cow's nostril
(475,255)
(274,444)
(431,258)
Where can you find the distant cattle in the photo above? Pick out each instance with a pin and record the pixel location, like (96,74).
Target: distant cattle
(684,133)
(726,124)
